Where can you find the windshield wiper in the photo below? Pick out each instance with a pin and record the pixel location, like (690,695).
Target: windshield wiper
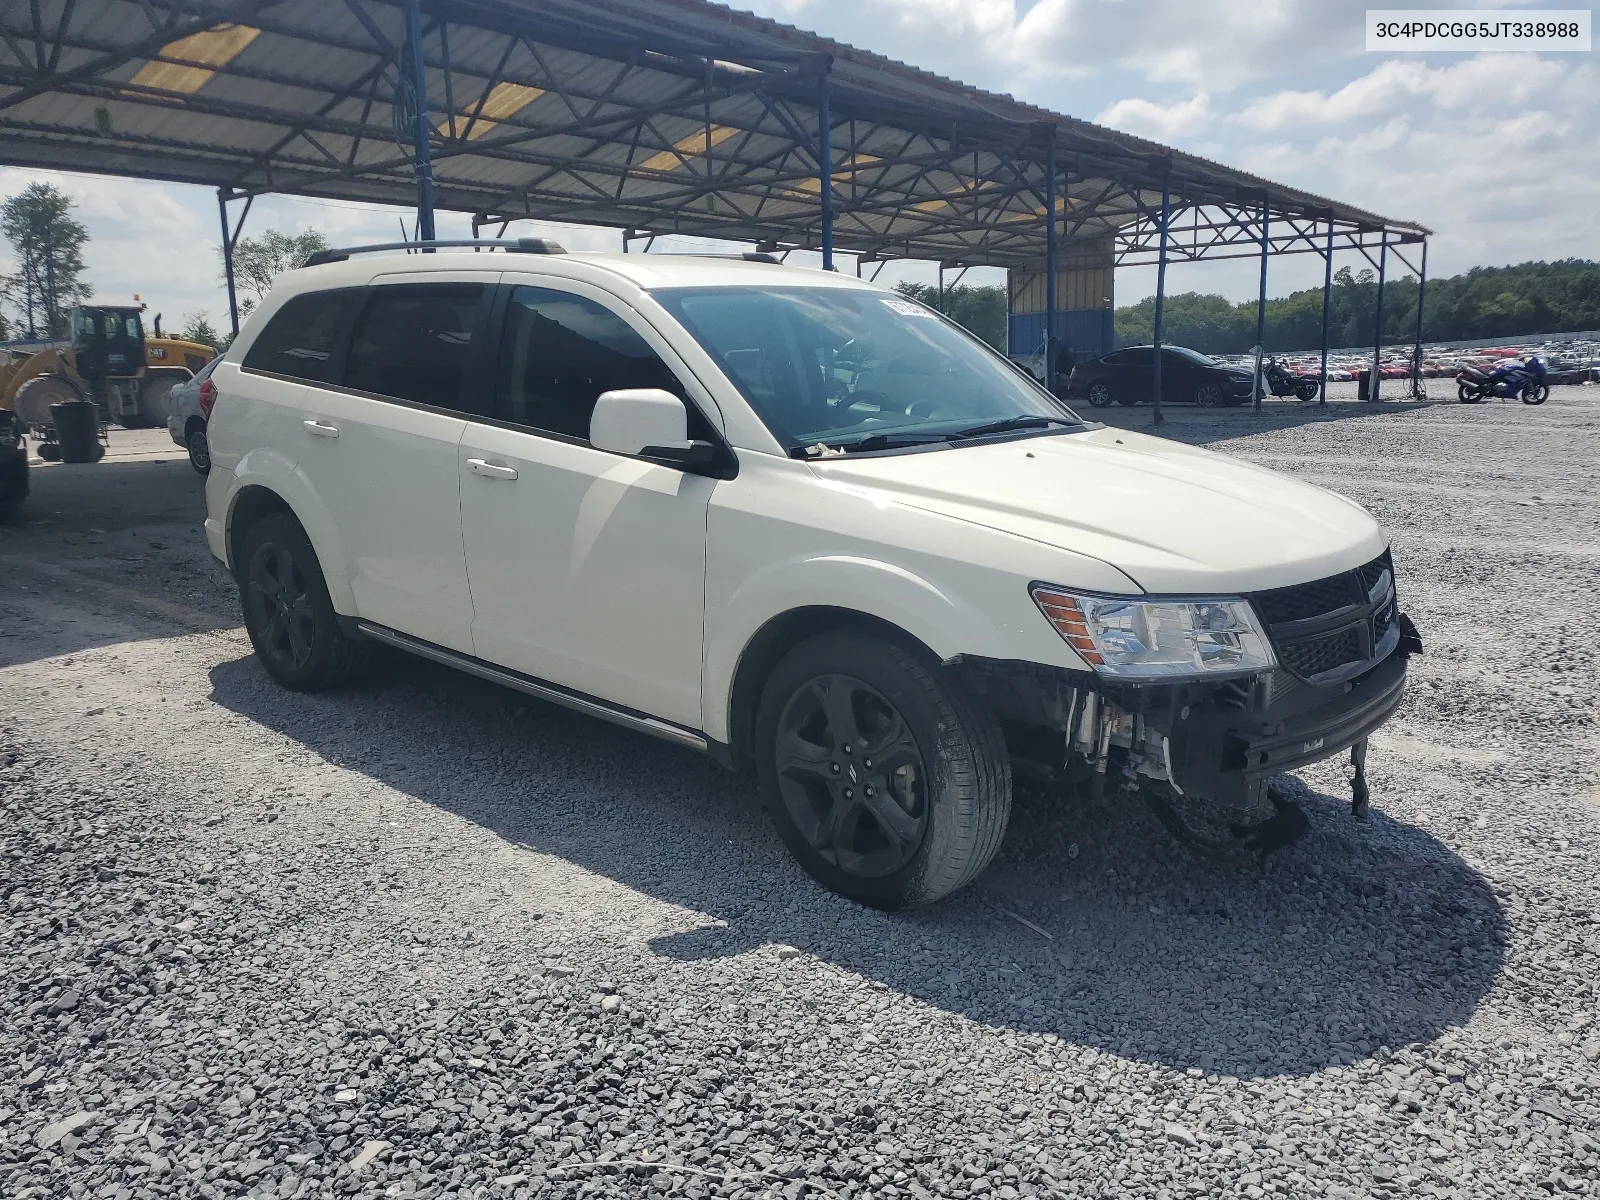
(1022,421)
(873,441)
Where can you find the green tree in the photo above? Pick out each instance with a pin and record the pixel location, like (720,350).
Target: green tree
(48,243)
(1485,302)
(258,261)
(979,310)
(198,328)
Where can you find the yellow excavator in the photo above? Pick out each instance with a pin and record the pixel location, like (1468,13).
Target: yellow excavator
(107,359)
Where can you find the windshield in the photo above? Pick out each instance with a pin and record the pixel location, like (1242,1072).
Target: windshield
(835,367)
(1204,360)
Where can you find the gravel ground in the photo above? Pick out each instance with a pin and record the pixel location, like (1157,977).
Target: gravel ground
(426,936)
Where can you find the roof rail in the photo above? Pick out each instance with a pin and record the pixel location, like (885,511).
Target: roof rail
(521,245)
(759,256)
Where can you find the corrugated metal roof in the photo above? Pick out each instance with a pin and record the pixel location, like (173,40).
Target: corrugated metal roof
(655,115)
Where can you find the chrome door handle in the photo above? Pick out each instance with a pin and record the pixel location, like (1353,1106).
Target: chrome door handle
(491,470)
(321,428)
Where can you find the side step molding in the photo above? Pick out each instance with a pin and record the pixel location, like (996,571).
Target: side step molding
(588,705)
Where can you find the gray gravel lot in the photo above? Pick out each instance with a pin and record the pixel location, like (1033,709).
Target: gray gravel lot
(426,936)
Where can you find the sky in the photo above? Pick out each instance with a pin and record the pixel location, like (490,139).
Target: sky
(1495,152)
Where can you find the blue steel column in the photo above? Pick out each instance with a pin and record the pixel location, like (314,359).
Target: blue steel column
(1050,265)
(1161,296)
(1327,298)
(1261,305)
(1377,336)
(421,133)
(1416,354)
(825,176)
(227,261)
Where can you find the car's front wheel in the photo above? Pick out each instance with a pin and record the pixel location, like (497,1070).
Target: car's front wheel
(884,779)
(1208,395)
(288,613)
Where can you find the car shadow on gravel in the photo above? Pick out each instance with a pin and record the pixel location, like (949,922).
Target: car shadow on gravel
(1092,925)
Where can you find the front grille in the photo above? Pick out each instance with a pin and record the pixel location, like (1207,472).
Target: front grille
(1326,647)
(1306,600)
(1328,653)
(1373,571)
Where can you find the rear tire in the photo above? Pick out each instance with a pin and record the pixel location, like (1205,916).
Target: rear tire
(288,613)
(1099,395)
(199,451)
(908,828)
(1467,394)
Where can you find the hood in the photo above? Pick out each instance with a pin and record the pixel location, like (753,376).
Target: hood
(1172,517)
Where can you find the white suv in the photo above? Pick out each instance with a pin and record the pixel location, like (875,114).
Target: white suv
(803,524)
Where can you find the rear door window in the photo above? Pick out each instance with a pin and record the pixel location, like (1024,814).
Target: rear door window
(302,340)
(413,341)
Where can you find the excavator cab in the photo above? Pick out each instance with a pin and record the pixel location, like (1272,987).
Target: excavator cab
(107,343)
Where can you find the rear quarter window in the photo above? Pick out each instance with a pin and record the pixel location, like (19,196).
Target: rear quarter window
(304,337)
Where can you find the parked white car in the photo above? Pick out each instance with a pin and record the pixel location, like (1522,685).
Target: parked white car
(190,401)
(802,524)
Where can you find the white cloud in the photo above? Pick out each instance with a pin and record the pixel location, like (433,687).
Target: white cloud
(1160,122)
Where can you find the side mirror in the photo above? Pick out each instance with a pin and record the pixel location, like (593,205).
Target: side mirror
(628,420)
(647,423)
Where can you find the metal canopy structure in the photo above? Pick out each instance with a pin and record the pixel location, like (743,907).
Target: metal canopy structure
(660,116)
(650,116)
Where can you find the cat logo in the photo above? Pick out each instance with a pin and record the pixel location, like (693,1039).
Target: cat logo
(157,351)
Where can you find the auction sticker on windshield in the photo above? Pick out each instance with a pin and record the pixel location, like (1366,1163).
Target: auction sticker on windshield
(905,308)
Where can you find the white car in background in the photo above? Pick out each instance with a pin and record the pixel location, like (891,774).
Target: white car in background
(190,403)
(794,521)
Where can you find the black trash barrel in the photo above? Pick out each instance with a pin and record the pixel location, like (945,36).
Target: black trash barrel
(77,425)
(1364,385)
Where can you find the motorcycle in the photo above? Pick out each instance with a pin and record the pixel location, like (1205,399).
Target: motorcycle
(1283,382)
(1508,378)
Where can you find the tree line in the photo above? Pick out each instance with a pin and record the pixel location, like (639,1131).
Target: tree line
(1485,302)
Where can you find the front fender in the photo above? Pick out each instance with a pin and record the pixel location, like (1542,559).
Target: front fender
(278,473)
(946,622)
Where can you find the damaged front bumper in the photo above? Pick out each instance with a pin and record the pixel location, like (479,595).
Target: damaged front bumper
(1221,741)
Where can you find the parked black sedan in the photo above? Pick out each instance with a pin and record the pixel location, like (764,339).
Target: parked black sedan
(1125,376)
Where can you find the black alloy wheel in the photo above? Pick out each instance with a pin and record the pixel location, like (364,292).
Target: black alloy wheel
(1099,395)
(852,776)
(888,782)
(288,613)
(277,600)
(1208,395)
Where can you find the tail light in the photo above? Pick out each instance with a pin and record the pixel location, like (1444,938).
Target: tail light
(208,397)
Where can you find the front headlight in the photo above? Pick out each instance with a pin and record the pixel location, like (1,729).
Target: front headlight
(1129,637)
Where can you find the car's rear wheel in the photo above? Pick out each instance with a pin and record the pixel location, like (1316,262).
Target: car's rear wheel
(1208,395)
(889,785)
(288,613)
(1099,395)
(199,451)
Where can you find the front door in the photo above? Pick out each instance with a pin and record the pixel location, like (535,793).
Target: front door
(587,568)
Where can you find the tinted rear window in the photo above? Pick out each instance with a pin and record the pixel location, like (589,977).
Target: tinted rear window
(413,341)
(302,338)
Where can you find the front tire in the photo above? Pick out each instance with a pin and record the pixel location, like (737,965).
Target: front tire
(887,783)
(1535,393)
(1208,395)
(288,613)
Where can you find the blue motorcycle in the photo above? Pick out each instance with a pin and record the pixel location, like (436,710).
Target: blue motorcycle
(1508,378)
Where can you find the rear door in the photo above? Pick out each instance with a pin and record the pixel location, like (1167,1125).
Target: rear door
(380,449)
